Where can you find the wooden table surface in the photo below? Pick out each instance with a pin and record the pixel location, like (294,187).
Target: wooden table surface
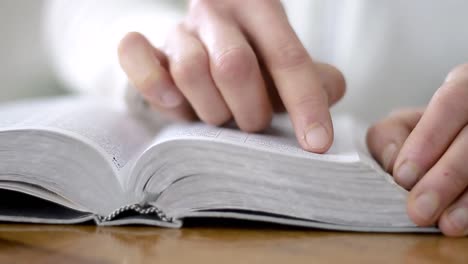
(231,244)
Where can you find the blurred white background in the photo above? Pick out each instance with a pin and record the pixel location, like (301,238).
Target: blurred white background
(23,68)
(393,53)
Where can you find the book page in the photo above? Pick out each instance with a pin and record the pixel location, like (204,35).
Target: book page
(120,136)
(279,137)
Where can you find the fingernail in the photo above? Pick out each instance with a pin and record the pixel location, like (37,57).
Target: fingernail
(388,155)
(459,218)
(316,136)
(426,205)
(170,99)
(408,174)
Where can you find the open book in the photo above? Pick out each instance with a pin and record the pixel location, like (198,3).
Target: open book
(73,160)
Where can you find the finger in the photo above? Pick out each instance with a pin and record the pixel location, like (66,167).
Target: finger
(445,116)
(458,73)
(333,81)
(441,185)
(454,221)
(190,69)
(275,99)
(235,70)
(138,60)
(144,67)
(386,137)
(293,71)
(139,107)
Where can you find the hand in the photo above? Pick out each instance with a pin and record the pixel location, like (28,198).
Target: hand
(427,152)
(236,59)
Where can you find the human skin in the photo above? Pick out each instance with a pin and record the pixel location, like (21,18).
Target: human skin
(225,62)
(241,60)
(425,149)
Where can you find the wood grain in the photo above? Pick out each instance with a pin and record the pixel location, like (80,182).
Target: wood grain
(89,244)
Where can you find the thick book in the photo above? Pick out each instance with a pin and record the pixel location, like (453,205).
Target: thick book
(76,159)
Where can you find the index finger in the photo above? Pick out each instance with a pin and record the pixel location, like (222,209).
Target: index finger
(293,71)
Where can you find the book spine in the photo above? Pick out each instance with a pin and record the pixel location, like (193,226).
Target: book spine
(139,209)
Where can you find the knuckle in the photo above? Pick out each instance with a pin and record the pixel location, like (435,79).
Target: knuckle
(290,56)
(189,67)
(234,64)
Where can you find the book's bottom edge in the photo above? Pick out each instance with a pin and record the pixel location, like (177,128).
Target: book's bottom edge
(178,223)
(312,224)
(93,219)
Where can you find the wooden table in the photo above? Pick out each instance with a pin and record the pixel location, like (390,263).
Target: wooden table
(231,244)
